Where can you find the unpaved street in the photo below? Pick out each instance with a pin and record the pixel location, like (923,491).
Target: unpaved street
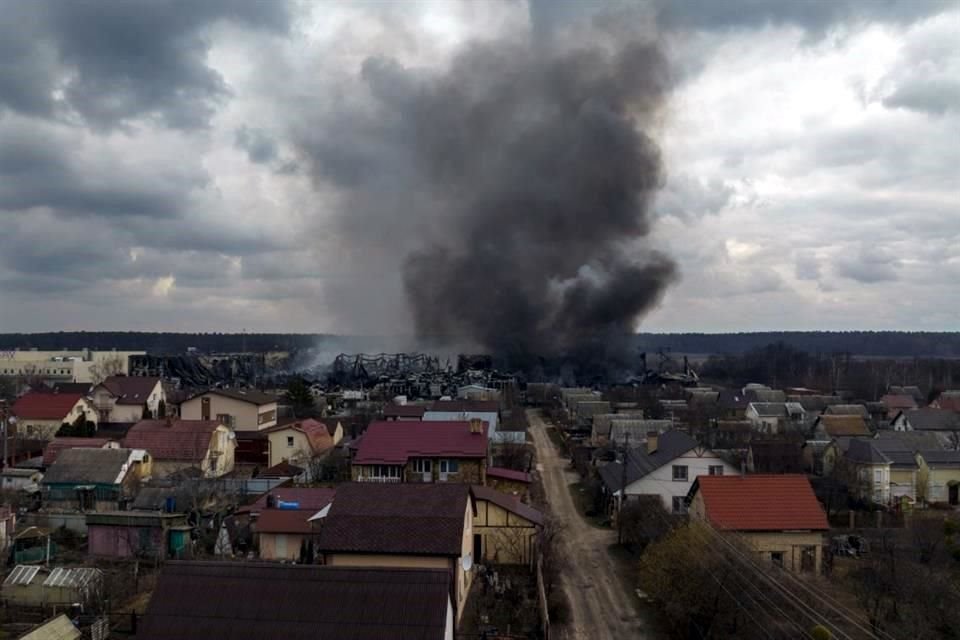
(600,607)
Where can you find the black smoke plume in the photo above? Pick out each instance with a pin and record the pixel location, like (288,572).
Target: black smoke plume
(514,190)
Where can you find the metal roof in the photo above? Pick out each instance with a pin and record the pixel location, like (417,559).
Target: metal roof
(22,574)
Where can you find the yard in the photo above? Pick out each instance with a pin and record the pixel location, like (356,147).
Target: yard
(502,603)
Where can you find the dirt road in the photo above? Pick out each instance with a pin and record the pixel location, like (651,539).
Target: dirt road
(600,607)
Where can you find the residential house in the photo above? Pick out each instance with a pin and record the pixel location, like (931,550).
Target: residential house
(586,409)
(820,456)
(17,479)
(174,445)
(141,534)
(763,394)
(422,452)
(894,404)
(404,412)
(203,600)
(128,398)
(848,410)
(777,515)
(600,432)
(422,526)
(478,392)
(781,455)
(512,427)
(729,434)
(815,404)
(732,404)
(940,476)
(775,417)
(58,628)
(949,400)
(253,448)
(301,441)
(40,414)
(943,422)
(37,587)
(666,466)
(912,391)
(504,528)
(8,525)
(632,430)
(868,472)
(830,426)
(281,525)
(240,409)
(465,410)
(509,481)
(55,446)
(94,479)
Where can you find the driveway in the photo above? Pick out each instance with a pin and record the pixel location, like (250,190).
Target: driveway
(600,607)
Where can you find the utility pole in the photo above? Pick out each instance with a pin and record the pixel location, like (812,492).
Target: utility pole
(3,423)
(623,487)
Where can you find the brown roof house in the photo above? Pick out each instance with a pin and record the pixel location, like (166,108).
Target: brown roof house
(302,441)
(174,445)
(261,601)
(422,526)
(286,520)
(94,479)
(830,426)
(422,452)
(40,415)
(128,398)
(778,515)
(242,409)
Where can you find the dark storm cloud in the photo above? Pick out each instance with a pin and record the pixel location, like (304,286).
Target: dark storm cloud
(115,62)
(532,179)
(257,143)
(815,16)
(868,266)
(44,167)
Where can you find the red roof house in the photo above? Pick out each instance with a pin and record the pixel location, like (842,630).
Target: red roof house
(178,444)
(777,514)
(45,406)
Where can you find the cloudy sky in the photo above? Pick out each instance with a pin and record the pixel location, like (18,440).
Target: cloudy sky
(157,167)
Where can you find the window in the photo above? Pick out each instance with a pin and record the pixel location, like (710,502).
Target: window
(226,419)
(422,465)
(385,471)
(680,473)
(449,466)
(716,469)
(289,441)
(776,558)
(679,504)
(878,475)
(808,559)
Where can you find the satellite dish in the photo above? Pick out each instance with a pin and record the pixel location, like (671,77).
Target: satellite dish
(466,562)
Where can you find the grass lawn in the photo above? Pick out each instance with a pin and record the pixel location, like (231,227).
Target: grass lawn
(582,502)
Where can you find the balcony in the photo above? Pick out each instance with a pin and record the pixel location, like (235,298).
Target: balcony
(382,479)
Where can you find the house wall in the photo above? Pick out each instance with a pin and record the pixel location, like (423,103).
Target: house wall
(246,416)
(938,483)
(110,541)
(280,546)
(661,482)
(903,482)
(506,538)
(871,482)
(511,487)
(279,451)
(469,470)
(39,429)
(767,542)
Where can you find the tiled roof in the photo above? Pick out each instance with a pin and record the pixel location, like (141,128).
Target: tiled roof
(402,518)
(309,498)
(863,452)
(941,459)
(317,433)
(88,466)
(760,503)
(45,406)
(55,446)
(933,419)
(284,521)
(252,396)
(844,425)
(896,402)
(282,469)
(397,442)
(241,600)
(508,503)
(133,390)
(508,474)
(186,440)
(848,410)
(466,406)
(404,411)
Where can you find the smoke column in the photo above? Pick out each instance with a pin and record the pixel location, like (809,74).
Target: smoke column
(513,190)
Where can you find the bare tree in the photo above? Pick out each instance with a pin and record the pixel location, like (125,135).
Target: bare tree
(106,367)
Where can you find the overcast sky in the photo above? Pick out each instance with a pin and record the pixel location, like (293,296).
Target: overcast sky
(154,172)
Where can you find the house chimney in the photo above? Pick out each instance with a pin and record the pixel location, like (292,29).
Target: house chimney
(652,437)
(476,425)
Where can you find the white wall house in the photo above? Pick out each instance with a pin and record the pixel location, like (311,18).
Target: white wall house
(666,467)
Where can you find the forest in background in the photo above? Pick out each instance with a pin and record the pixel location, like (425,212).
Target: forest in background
(891,344)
